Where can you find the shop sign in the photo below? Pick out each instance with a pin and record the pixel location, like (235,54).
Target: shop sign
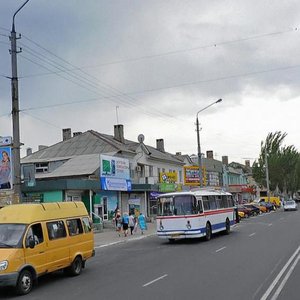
(168,177)
(115,184)
(167,187)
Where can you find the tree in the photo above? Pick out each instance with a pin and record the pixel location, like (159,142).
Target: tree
(283,164)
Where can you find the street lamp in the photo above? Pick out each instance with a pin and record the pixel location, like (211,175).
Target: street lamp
(198,141)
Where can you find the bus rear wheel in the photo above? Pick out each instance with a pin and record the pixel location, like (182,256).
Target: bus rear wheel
(207,232)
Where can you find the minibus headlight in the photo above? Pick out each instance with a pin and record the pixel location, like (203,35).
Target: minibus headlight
(3,265)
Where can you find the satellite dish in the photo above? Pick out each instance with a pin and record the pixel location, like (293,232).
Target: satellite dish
(141,138)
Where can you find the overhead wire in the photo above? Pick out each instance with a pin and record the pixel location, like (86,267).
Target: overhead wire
(108,87)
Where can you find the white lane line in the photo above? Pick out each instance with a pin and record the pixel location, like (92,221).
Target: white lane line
(252,234)
(270,224)
(109,244)
(276,280)
(286,277)
(159,278)
(220,249)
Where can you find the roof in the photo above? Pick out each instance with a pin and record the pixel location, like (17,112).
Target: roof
(92,142)
(28,213)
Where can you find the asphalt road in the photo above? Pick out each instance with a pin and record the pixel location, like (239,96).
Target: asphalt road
(258,260)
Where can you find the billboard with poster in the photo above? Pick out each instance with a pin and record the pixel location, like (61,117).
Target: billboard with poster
(191,176)
(6,169)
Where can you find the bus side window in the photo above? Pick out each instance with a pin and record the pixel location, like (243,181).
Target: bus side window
(205,203)
(212,202)
(200,207)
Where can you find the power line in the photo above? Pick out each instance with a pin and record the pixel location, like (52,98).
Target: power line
(96,85)
(42,120)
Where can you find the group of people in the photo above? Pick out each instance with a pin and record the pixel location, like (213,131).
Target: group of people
(129,221)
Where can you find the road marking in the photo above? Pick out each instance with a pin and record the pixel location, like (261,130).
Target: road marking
(220,249)
(270,224)
(284,280)
(159,278)
(276,280)
(252,234)
(282,218)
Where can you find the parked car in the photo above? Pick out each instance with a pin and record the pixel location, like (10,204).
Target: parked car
(269,206)
(290,205)
(247,211)
(254,208)
(241,214)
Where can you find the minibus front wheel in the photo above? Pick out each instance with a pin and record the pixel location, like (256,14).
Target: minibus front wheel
(76,266)
(25,282)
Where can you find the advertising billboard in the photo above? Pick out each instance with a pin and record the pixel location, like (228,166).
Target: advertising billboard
(191,175)
(114,173)
(6,168)
(168,177)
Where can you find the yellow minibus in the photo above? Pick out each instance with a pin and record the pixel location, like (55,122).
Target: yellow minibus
(36,239)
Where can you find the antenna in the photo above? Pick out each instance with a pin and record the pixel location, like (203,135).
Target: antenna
(141,138)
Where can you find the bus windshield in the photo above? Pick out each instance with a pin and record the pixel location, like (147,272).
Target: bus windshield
(177,205)
(11,234)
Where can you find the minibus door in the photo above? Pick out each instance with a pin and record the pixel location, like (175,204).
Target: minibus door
(35,248)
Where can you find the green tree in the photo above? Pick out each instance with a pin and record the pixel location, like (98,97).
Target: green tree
(283,164)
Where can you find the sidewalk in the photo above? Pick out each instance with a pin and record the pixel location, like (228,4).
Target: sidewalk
(109,236)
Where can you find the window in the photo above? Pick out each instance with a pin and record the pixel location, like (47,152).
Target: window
(74,227)
(56,230)
(185,205)
(205,202)
(212,202)
(219,202)
(87,224)
(150,171)
(224,201)
(41,167)
(35,233)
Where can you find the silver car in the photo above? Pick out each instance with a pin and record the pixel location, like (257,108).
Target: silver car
(290,205)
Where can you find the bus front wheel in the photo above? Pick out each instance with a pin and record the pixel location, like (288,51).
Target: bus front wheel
(207,232)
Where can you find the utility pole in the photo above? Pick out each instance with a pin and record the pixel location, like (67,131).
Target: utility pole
(15,109)
(267,174)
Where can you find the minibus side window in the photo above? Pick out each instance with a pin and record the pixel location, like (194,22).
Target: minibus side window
(86,224)
(56,230)
(74,227)
(35,233)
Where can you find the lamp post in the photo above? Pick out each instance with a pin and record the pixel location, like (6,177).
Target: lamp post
(15,108)
(198,141)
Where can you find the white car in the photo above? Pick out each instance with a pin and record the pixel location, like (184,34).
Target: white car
(290,205)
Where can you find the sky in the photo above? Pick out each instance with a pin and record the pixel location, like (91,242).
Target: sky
(151,66)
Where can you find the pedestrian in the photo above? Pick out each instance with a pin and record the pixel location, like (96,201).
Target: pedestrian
(125,221)
(119,224)
(142,222)
(131,223)
(117,213)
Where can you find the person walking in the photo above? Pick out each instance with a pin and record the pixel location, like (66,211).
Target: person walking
(125,221)
(142,222)
(131,223)
(119,224)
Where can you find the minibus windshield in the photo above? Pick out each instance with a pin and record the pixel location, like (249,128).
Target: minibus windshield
(11,234)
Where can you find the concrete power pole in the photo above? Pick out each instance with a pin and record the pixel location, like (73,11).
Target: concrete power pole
(15,109)
(267,174)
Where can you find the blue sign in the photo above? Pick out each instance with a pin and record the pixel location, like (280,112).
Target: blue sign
(115,184)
